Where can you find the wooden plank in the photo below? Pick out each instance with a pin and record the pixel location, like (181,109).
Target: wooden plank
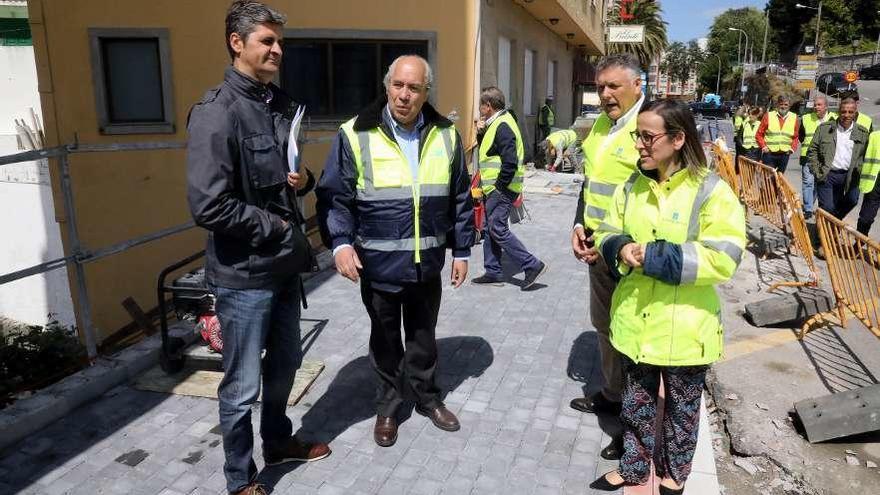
(138,315)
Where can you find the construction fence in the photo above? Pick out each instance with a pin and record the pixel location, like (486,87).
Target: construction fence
(852,258)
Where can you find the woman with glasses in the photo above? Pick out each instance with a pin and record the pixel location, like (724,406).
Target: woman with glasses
(673,232)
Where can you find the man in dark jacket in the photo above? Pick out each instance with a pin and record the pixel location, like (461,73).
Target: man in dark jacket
(502,169)
(239,189)
(835,158)
(394,195)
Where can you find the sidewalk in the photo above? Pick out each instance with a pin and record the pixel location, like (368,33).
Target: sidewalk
(511,360)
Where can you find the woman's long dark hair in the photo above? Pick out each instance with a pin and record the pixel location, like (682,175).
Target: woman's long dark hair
(677,117)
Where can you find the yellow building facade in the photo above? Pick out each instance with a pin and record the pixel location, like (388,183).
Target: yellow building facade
(127,72)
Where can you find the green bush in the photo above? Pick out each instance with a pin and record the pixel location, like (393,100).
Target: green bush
(34,357)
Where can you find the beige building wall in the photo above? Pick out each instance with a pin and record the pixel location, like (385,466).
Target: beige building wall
(119,196)
(527,27)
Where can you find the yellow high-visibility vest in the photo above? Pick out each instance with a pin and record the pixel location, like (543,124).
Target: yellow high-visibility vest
(811,122)
(777,138)
(490,165)
(871,165)
(750,133)
(608,162)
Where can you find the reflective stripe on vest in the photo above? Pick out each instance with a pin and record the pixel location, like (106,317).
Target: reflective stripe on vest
(690,259)
(562,139)
(384,174)
(608,162)
(750,131)
(811,122)
(777,138)
(871,165)
(490,165)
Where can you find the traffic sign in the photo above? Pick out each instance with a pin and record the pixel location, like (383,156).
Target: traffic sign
(850,76)
(805,84)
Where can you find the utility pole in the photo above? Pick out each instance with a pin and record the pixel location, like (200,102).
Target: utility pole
(766,25)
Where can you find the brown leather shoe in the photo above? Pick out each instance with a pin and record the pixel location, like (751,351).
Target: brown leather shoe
(252,489)
(295,450)
(441,417)
(385,431)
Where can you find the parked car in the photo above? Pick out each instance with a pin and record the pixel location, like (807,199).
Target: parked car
(871,73)
(833,84)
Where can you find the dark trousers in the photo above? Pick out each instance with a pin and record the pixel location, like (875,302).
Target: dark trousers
(500,239)
(833,197)
(405,368)
(253,320)
(870,205)
(673,451)
(779,161)
(753,154)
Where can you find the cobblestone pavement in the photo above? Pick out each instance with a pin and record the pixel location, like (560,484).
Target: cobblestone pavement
(510,360)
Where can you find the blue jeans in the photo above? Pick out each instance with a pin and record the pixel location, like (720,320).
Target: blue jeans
(834,197)
(808,186)
(501,239)
(253,320)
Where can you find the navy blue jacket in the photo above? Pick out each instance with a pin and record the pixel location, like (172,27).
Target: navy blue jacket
(342,217)
(505,147)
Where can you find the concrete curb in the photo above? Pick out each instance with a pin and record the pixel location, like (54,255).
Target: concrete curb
(52,403)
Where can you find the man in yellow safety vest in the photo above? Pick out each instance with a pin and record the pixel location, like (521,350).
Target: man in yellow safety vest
(809,123)
(610,158)
(778,135)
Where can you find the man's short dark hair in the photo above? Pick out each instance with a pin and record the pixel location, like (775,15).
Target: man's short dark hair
(623,60)
(244,16)
(493,97)
(848,99)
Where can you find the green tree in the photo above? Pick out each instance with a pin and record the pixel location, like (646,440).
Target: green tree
(842,21)
(649,14)
(730,46)
(680,60)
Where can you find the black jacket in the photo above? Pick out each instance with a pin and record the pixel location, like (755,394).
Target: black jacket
(237,182)
(343,218)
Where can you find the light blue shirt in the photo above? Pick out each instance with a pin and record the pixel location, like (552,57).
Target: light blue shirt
(408,140)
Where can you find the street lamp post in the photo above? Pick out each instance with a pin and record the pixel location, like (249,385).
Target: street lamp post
(818,20)
(718,77)
(876,47)
(743,66)
(767,25)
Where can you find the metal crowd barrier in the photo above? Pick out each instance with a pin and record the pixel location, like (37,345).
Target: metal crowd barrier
(79,255)
(724,166)
(853,260)
(760,191)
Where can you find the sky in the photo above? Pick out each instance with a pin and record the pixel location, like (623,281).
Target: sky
(690,19)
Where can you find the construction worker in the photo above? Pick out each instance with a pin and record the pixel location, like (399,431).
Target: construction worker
(809,123)
(395,194)
(555,146)
(610,158)
(778,134)
(672,232)
(501,179)
(869,185)
(747,135)
(546,119)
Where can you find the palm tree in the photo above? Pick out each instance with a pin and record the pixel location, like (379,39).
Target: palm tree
(649,14)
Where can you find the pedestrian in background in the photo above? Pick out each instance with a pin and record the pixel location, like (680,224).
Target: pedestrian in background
(674,230)
(502,169)
(778,134)
(809,123)
(240,189)
(835,158)
(546,119)
(869,185)
(395,194)
(747,136)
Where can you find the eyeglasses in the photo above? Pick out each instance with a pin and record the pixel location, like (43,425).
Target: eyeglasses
(646,138)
